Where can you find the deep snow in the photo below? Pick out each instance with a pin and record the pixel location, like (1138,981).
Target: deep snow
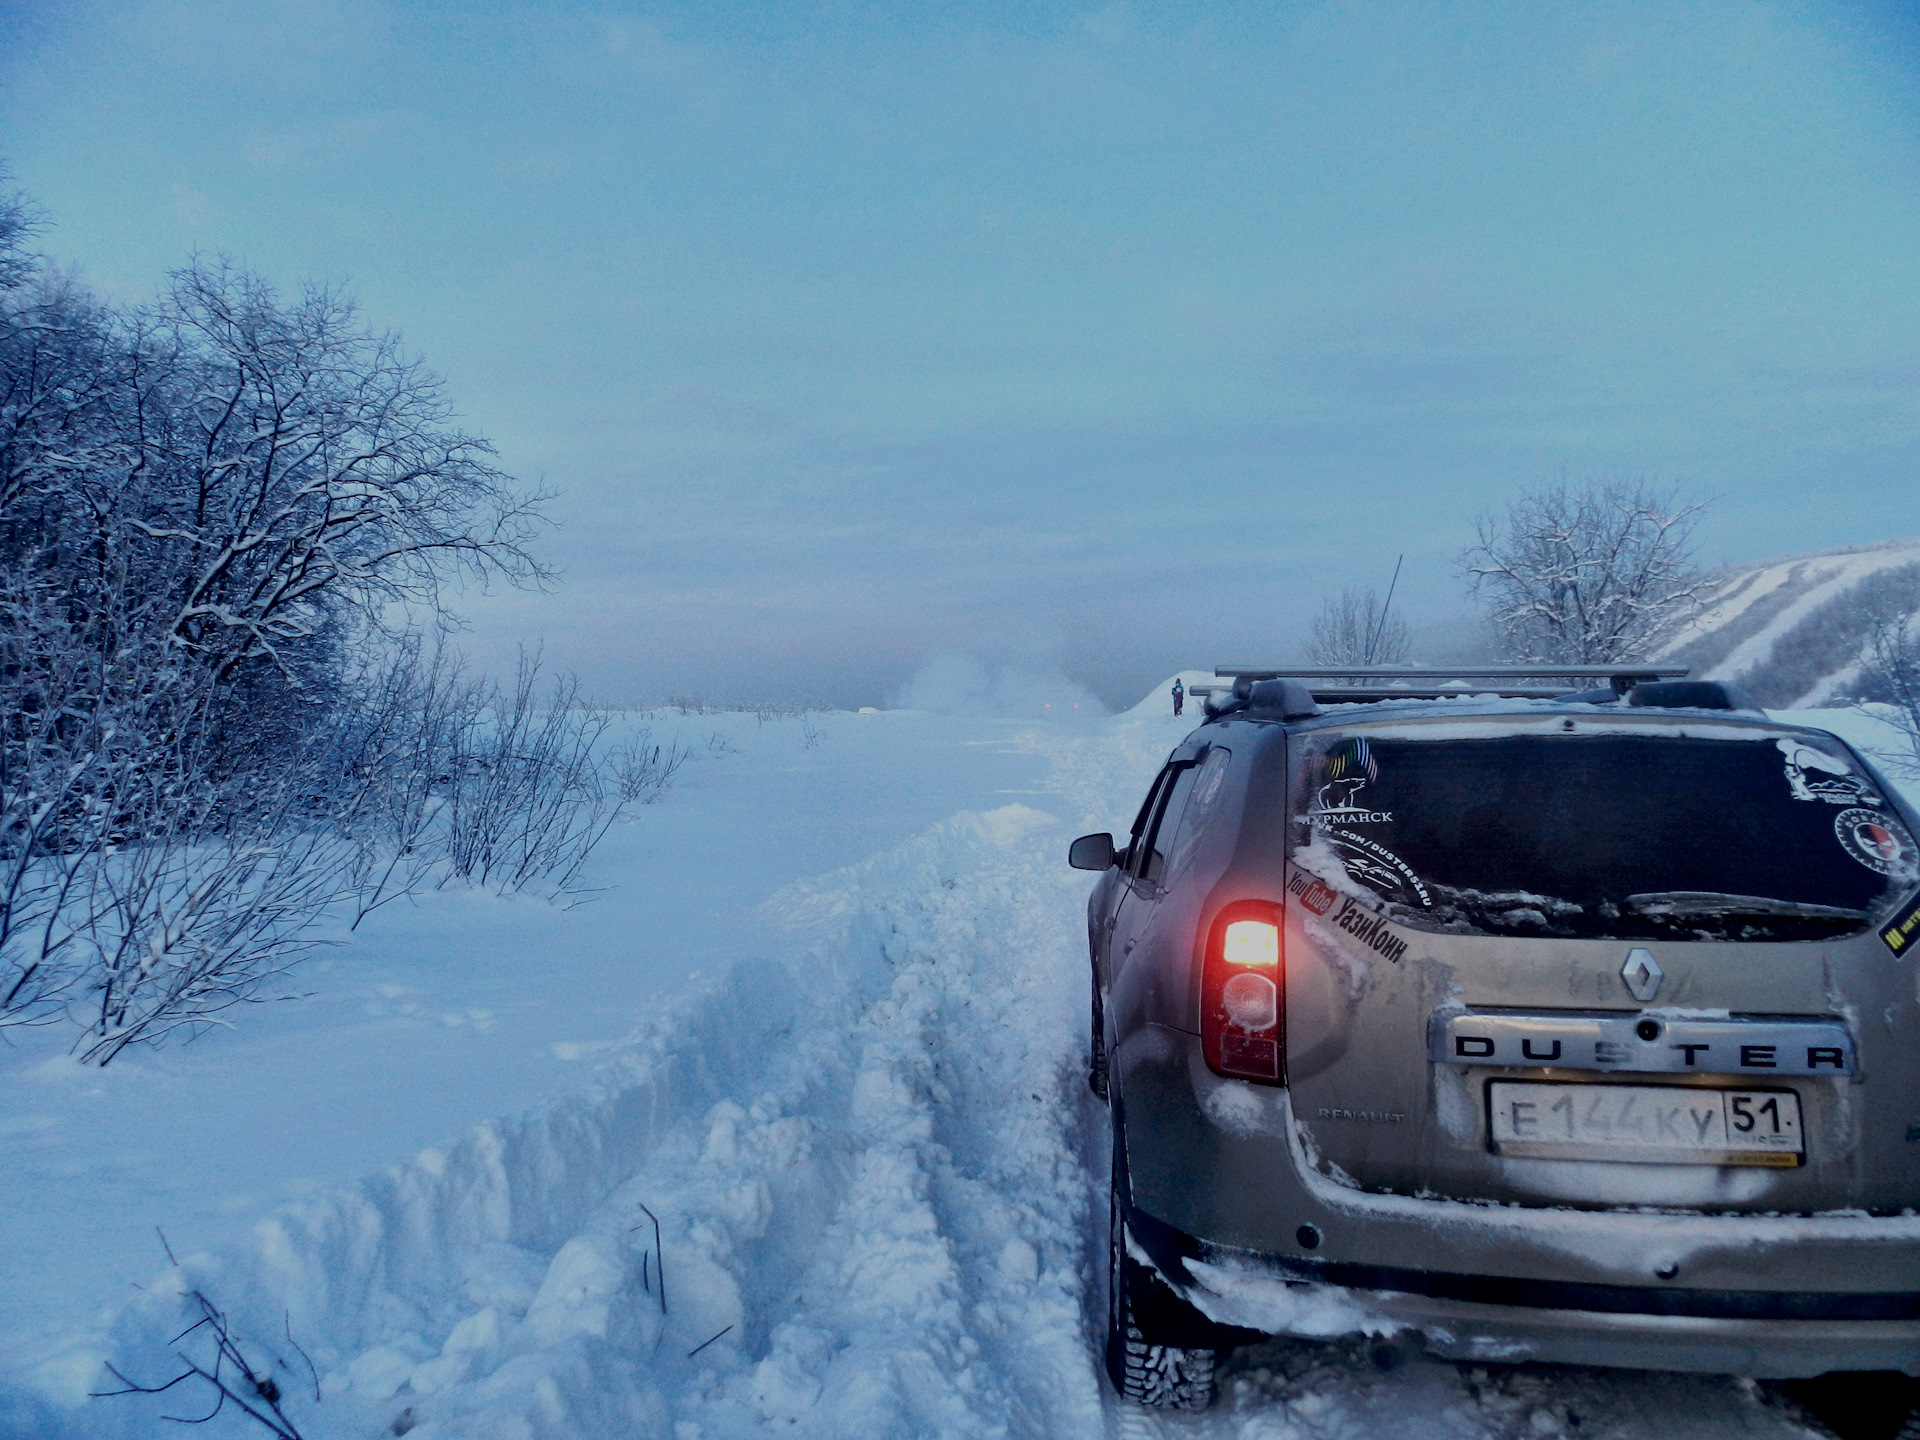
(827,1025)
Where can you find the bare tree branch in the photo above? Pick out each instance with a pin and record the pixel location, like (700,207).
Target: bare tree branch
(1586,574)
(233,1378)
(1356,629)
(1891,664)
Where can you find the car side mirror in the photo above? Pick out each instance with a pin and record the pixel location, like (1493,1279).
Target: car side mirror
(1091,852)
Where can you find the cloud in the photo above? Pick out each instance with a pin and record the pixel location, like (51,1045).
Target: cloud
(852,338)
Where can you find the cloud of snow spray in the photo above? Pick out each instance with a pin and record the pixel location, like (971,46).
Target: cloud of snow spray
(963,685)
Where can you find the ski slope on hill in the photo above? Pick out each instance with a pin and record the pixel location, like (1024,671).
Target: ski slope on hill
(874,1167)
(1793,631)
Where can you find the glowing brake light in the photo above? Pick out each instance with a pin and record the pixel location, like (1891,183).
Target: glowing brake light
(1242,1018)
(1251,942)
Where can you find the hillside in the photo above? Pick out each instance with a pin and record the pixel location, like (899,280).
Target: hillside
(1791,631)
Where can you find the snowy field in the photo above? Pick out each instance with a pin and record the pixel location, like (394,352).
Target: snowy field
(824,1026)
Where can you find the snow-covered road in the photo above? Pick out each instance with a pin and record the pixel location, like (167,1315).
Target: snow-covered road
(878,1180)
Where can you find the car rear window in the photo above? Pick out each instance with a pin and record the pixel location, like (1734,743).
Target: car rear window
(1642,836)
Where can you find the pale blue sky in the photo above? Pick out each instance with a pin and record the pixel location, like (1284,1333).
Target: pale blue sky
(1110,337)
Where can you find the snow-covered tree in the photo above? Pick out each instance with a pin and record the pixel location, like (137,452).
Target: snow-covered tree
(18,222)
(309,472)
(219,512)
(1594,572)
(1891,670)
(1356,629)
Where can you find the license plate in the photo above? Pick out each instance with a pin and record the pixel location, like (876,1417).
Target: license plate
(1647,1124)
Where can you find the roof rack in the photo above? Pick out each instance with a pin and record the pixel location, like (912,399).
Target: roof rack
(1360,684)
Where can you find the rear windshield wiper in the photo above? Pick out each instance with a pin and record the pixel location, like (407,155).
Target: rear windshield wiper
(1710,902)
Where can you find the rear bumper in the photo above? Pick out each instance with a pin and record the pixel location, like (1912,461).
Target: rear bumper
(1510,1334)
(1457,1317)
(1225,1204)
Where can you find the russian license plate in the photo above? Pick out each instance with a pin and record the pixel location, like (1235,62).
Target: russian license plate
(1648,1124)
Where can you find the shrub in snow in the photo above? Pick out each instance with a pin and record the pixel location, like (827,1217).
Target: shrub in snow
(643,769)
(178,931)
(224,517)
(525,797)
(396,759)
(1357,629)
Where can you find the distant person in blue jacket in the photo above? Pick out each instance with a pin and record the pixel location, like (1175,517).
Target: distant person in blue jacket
(1179,695)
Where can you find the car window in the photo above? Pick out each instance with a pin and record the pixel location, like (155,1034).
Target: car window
(1209,783)
(1153,853)
(1143,822)
(1644,836)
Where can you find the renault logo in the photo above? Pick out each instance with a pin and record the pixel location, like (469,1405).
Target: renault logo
(1642,974)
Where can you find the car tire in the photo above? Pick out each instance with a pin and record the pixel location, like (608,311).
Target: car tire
(1159,1377)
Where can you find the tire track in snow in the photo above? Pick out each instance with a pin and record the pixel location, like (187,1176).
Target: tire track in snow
(871,1237)
(831,1221)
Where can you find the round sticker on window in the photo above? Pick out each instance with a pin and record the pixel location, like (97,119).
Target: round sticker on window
(1874,839)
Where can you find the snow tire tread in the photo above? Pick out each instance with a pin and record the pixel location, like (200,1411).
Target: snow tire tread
(1165,1377)
(1156,1377)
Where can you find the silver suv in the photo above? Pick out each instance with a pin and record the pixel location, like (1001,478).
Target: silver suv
(1529,1025)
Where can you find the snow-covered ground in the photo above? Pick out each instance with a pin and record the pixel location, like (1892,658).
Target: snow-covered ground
(826,1025)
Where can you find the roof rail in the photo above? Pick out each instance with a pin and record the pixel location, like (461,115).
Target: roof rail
(1360,684)
(1453,672)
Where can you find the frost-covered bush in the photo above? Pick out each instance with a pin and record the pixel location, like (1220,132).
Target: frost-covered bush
(438,775)
(148,890)
(696,705)
(1357,629)
(178,929)
(396,758)
(525,797)
(224,514)
(643,769)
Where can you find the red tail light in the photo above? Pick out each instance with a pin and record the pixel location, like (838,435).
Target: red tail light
(1242,990)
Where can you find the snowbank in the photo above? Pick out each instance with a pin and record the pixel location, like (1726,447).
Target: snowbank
(856,1228)
(1159,700)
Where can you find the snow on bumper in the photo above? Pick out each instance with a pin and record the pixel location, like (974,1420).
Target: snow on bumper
(1260,1298)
